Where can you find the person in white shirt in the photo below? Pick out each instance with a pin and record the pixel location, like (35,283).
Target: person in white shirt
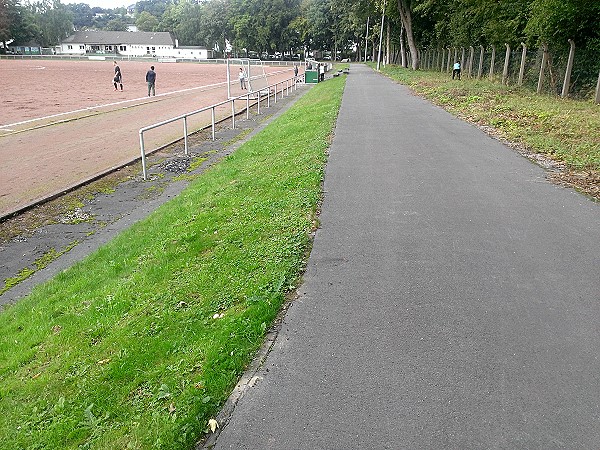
(456,70)
(242,77)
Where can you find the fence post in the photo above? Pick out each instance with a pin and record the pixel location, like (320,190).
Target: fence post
(567,82)
(522,69)
(543,66)
(481,55)
(462,58)
(442,60)
(448,65)
(470,63)
(492,62)
(598,89)
(505,69)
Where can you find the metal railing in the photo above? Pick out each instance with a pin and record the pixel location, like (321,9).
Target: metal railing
(286,85)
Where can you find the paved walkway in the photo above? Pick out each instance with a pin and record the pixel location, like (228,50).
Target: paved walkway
(451,299)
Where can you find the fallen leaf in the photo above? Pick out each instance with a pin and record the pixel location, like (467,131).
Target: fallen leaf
(172,408)
(103,361)
(213,424)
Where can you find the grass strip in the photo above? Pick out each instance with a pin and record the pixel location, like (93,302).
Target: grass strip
(138,345)
(568,131)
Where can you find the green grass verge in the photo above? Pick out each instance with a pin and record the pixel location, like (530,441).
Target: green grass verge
(565,130)
(137,346)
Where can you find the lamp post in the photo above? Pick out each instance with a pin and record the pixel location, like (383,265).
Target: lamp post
(381,36)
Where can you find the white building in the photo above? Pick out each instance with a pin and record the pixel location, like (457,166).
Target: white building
(187,52)
(123,43)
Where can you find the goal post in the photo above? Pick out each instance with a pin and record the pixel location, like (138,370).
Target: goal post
(256,77)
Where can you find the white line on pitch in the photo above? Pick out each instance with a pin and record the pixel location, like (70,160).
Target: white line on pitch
(89,108)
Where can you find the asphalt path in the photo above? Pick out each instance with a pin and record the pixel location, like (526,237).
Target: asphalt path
(451,298)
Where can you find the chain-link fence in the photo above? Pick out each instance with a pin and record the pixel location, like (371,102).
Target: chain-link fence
(522,66)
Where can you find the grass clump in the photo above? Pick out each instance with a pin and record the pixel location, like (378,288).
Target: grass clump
(138,345)
(568,131)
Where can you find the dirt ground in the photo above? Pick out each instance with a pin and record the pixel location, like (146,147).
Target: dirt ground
(62,122)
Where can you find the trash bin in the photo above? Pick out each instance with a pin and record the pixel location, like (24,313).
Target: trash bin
(311,77)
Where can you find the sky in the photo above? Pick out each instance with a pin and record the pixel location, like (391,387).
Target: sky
(102,3)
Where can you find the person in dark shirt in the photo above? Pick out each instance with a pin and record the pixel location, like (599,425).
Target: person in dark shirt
(118,79)
(151,80)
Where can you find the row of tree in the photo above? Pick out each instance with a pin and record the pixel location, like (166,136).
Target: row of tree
(337,26)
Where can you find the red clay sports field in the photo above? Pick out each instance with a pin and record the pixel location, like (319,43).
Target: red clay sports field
(61,121)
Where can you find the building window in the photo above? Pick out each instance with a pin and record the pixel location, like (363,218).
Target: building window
(122,48)
(69,47)
(81,47)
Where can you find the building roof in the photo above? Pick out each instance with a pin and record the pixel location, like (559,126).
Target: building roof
(120,37)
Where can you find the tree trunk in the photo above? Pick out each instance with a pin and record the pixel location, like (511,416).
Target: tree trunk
(387,46)
(402,47)
(405,15)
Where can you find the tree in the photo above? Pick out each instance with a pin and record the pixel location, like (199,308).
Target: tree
(560,20)
(146,22)
(53,20)
(116,24)
(6,20)
(404,8)
(83,17)
(155,8)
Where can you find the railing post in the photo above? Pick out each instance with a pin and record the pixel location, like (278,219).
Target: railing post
(567,82)
(144,172)
(522,69)
(213,122)
(258,102)
(247,106)
(185,136)
(233,113)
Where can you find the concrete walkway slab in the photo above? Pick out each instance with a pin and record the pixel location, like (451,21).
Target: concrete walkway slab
(451,299)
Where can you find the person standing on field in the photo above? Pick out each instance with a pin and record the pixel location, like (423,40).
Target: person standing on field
(118,79)
(151,80)
(242,77)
